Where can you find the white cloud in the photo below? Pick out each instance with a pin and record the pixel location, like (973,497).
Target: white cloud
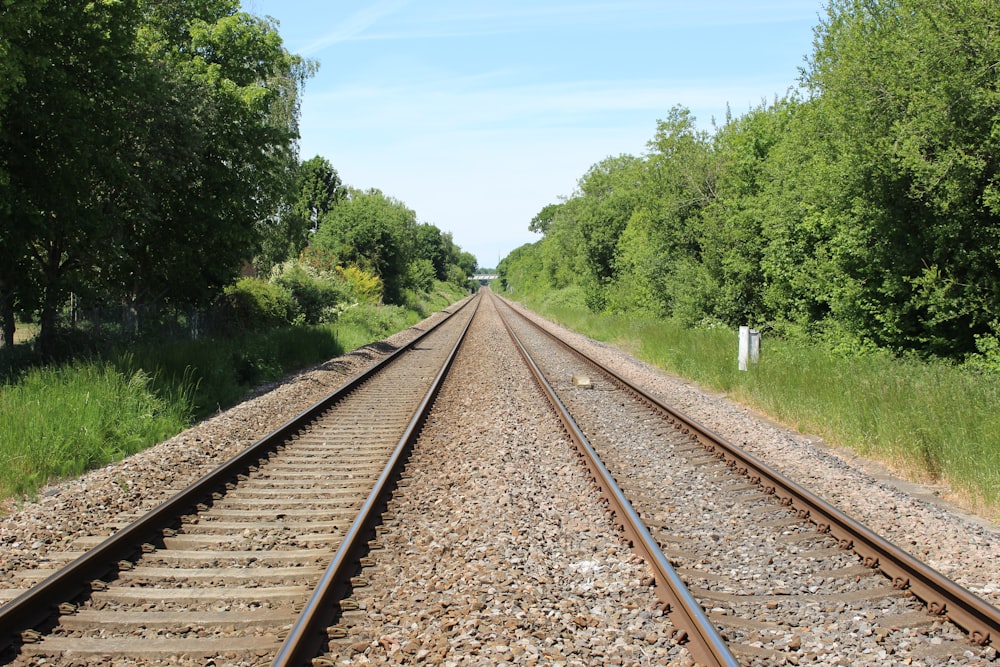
(355,25)
(460,18)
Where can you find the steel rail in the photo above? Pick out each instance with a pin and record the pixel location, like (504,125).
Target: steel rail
(943,597)
(37,606)
(301,644)
(700,637)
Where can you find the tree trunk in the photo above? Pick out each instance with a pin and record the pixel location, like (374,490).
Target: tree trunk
(7,319)
(47,327)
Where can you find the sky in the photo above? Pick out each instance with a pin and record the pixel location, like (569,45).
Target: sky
(477,115)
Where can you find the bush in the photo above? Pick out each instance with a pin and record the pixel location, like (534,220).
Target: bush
(420,275)
(316,296)
(572,296)
(378,321)
(986,359)
(254,305)
(363,286)
(458,278)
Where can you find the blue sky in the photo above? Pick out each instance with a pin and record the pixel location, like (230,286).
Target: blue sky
(478,114)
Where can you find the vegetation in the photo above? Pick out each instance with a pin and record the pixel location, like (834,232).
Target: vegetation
(380,235)
(58,421)
(858,214)
(160,236)
(139,138)
(923,418)
(861,207)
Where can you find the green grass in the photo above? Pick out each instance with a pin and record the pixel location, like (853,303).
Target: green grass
(930,421)
(57,422)
(220,372)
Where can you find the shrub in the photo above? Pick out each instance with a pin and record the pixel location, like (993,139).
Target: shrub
(364,286)
(458,278)
(254,305)
(316,296)
(420,275)
(986,359)
(378,321)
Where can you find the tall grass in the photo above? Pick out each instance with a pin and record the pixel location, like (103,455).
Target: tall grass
(222,371)
(58,422)
(929,420)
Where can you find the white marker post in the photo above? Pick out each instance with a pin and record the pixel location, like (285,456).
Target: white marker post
(744,350)
(749,350)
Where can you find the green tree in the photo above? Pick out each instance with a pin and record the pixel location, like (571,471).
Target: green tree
(60,137)
(733,238)
(434,246)
(235,115)
(465,261)
(609,196)
(910,87)
(142,138)
(543,219)
(316,190)
(520,270)
(560,253)
(16,21)
(374,232)
(660,251)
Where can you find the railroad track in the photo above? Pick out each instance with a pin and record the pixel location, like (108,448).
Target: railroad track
(262,573)
(247,564)
(736,530)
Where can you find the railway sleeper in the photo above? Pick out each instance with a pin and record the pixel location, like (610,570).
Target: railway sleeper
(152,648)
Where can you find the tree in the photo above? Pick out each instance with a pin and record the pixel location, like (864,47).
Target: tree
(660,254)
(434,246)
(543,219)
(141,137)
(733,236)
(609,197)
(374,232)
(911,91)
(16,20)
(59,138)
(316,190)
(465,261)
(224,158)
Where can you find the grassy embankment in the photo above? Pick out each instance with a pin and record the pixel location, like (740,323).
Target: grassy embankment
(929,421)
(57,422)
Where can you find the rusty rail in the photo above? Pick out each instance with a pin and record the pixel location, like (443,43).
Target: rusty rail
(38,606)
(942,596)
(698,634)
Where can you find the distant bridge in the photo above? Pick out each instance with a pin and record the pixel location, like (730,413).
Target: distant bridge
(484,278)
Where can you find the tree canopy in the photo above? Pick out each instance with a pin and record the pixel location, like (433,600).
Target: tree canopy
(142,144)
(316,189)
(863,204)
(374,232)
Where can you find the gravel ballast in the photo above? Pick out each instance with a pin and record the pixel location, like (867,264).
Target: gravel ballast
(504,556)
(962,546)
